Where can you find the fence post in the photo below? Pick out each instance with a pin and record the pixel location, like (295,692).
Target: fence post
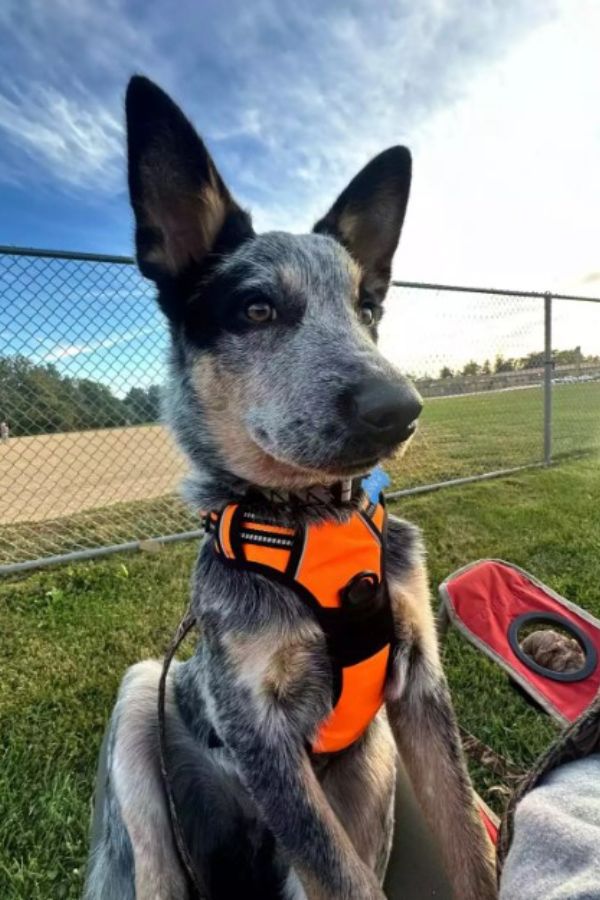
(548,371)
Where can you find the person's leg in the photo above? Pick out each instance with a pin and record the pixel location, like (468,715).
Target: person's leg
(555,851)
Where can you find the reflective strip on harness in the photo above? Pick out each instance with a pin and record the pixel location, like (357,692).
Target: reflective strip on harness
(275,530)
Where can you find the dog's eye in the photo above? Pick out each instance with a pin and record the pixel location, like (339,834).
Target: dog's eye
(366,314)
(260,311)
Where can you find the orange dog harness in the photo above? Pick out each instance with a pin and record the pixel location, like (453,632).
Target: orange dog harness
(337,570)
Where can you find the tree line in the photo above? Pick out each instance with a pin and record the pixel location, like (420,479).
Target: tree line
(36,398)
(535,360)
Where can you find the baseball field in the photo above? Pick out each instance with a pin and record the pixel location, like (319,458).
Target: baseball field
(64,491)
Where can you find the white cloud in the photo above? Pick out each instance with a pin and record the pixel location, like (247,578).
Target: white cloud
(317,93)
(79,141)
(499,102)
(66,351)
(61,109)
(507,182)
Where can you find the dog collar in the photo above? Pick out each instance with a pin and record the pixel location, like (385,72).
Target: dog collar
(341,493)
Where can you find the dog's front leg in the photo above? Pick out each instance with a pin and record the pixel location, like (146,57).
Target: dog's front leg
(424,726)
(266,697)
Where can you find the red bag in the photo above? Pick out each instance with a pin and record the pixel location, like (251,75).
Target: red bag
(490,601)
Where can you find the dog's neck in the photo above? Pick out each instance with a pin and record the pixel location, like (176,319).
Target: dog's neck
(310,504)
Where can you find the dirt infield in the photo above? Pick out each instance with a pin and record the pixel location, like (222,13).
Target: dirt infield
(53,475)
(58,475)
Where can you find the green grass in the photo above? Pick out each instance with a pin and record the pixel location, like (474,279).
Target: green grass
(116,524)
(479,433)
(69,633)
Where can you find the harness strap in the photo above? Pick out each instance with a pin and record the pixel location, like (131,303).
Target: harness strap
(183,629)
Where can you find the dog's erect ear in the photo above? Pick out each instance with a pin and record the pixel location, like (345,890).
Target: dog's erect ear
(367,216)
(182,207)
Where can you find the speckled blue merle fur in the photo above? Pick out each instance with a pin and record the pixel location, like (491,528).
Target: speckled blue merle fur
(276,389)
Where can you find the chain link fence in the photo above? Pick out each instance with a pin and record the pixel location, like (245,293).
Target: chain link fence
(85,467)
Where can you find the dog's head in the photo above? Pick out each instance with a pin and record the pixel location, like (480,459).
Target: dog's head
(275,374)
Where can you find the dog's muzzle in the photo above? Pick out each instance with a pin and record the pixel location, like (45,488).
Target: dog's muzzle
(385,413)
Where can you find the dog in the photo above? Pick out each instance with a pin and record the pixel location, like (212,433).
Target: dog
(282,402)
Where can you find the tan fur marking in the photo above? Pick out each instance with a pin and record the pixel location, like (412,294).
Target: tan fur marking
(349,225)
(223,398)
(215,389)
(371,237)
(411,606)
(287,667)
(213,214)
(364,880)
(189,221)
(356,274)
(451,815)
(424,735)
(290,278)
(357,227)
(270,663)
(360,792)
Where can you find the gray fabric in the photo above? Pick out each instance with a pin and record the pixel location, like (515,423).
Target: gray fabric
(555,854)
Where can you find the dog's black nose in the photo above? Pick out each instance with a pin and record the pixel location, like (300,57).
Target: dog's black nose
(387,409)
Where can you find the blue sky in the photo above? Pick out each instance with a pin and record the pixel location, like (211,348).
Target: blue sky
(291,98)
(498,101)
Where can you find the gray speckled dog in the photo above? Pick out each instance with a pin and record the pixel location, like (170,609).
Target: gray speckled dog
(275,384)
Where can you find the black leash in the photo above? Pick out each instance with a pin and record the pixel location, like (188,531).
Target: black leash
(185,626)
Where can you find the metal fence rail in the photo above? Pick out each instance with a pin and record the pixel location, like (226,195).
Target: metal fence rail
(512,380)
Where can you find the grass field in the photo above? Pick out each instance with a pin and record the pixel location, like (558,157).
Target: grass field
(62,492)
(69,633)
(480,433)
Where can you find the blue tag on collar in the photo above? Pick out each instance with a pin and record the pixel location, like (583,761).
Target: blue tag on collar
(374,483)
